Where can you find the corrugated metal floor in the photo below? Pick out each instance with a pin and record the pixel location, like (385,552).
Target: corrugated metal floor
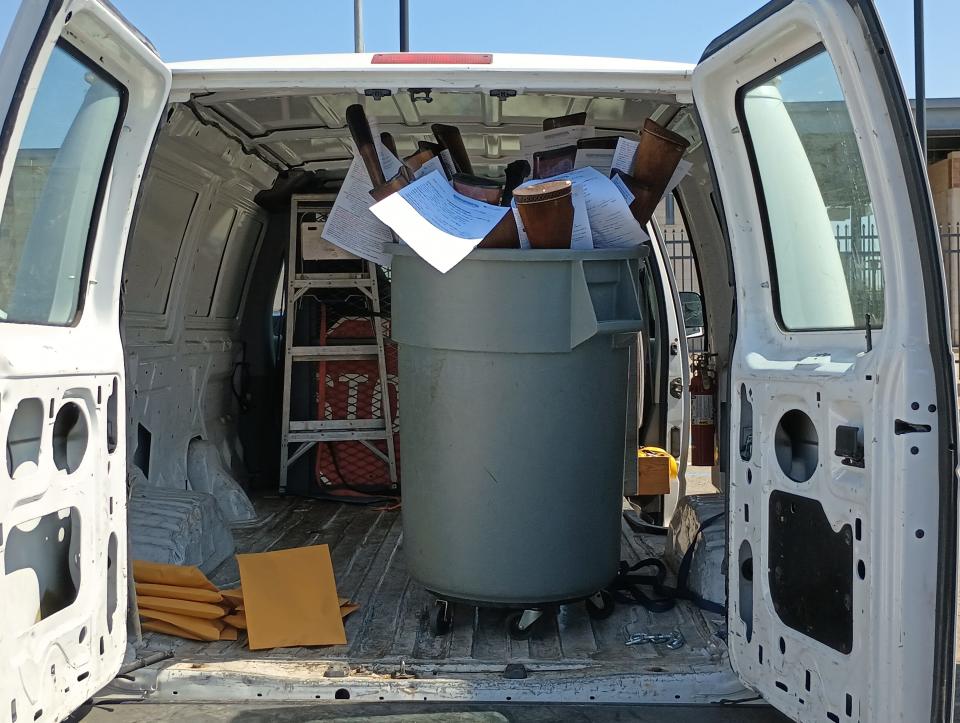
(395,620)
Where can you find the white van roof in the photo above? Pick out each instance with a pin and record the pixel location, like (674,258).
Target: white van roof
(291,108)
(498,70)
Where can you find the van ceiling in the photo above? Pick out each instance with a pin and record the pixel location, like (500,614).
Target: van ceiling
(308,130)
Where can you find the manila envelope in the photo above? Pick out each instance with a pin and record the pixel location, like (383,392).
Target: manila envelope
(237,620)
(290,598)
(152,589)
(159,626)
(197,628)
(164,574)
(180,607)
(234,597)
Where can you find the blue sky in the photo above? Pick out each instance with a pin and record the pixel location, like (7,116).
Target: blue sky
(653,29)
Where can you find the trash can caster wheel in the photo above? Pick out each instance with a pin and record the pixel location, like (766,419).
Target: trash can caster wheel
(600,605)
(522,624)
(444,620)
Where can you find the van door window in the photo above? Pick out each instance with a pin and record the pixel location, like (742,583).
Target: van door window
(57,180)
(817,211)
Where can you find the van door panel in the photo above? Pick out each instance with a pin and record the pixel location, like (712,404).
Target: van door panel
(80,97)
(842,533)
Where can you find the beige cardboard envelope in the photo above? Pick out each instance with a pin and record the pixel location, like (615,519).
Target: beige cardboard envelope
(290,598)
(234,597)
(164,574)
(152,589)
(237,620)
(159,626)
(194,628)
(191,608)
(350,607)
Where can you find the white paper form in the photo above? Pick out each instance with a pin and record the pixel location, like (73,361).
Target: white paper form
(623,155)
(599,158)
(623,161)
(441,225)
(350,225)
(581,238)
(611,223)
(683,168)
(447,160)
(434,164)
(582,230)
(558,138)
(622,187)
(389,163)
(521,231)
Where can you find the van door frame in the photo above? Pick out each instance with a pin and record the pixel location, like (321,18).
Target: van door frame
(929,258)
(59,656)
(675,360)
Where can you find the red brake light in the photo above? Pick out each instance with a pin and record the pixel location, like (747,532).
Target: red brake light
(432,58)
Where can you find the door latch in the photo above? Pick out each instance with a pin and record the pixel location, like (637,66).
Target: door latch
(676,387)
(902,427)
(849,445)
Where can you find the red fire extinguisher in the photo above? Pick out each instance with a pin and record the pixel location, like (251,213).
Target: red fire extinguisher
(703,396)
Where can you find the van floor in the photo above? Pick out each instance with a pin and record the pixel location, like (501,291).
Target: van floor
(395,620)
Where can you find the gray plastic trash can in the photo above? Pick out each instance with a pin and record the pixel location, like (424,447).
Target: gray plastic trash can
(513,391)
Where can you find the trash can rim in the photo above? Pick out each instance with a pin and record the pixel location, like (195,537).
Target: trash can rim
(634,252)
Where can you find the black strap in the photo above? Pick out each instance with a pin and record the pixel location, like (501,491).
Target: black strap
(640,522)
(626,587)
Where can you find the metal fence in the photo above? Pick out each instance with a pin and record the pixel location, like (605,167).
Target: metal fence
(860,256)
(684,271)
(681,258)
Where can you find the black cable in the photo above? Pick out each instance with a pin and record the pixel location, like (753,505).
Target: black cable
(643,526)
(244,370)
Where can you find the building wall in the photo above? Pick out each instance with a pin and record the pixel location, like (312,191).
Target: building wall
(26,185)
(945,186)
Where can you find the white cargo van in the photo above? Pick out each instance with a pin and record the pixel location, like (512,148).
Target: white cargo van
(141,241)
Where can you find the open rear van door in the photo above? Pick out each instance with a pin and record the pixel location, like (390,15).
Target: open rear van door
(81,94)
(843,416)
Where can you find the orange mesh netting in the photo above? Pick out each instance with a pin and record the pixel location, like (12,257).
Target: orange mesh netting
(350,390)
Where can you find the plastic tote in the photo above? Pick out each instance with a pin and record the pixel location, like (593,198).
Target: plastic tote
(513,386)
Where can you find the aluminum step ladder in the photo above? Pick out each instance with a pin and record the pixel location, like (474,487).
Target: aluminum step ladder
(299,437)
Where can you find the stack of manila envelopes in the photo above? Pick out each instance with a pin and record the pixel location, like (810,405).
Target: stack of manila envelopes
(286,598)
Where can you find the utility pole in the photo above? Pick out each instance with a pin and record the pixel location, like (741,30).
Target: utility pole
(404,26)
(358,26)
(920,114)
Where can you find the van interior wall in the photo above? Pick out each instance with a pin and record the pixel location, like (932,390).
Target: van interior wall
(193,265)
(201,270)
(702,215)
(259,380)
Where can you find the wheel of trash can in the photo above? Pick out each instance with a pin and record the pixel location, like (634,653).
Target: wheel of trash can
(443,622)
(522,633)
(602,608)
